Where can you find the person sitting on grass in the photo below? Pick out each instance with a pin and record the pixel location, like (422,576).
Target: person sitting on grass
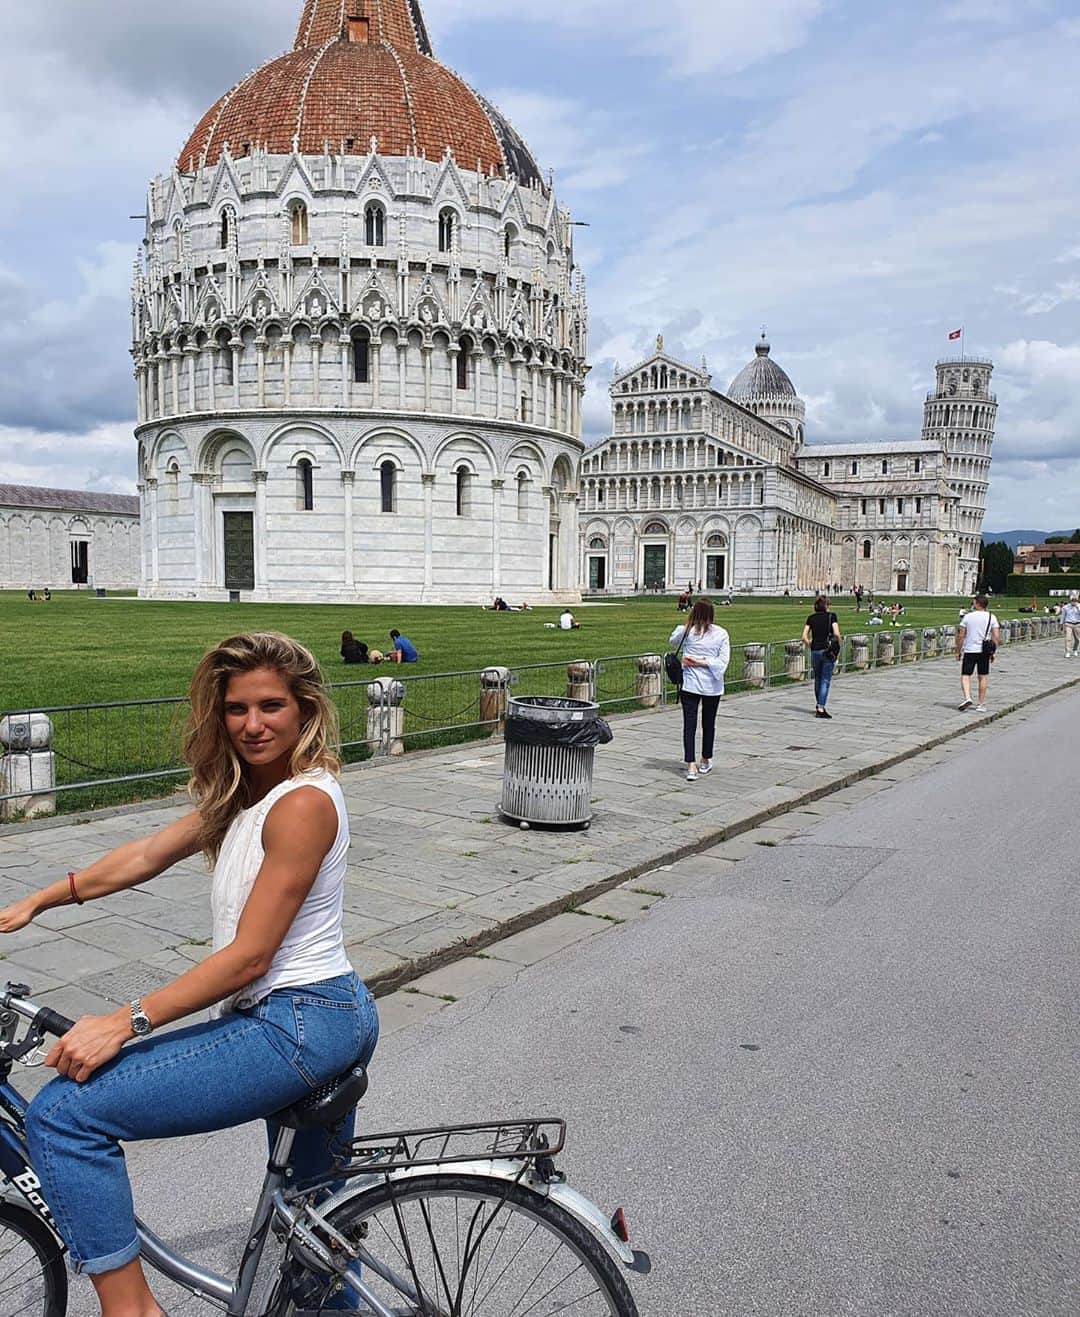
(353,650)
(403,651)
(46,594)
(568,622)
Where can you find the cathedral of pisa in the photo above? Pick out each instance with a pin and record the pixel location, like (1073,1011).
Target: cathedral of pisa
(360,343)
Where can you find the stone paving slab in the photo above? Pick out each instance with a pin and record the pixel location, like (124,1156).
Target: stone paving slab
(435,875)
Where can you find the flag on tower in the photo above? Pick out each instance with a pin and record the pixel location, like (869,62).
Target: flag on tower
(956,333)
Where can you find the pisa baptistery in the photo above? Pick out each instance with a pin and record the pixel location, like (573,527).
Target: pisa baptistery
(359,337)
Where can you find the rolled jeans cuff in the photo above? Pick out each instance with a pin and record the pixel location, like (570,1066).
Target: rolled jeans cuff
(110,1262)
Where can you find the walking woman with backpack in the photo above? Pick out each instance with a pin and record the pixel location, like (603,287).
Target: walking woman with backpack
(704,650)
(822,634)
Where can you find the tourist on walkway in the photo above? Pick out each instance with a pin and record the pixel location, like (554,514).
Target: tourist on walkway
(706,651)
(1069,617)
(822,634)
(977,639)
(288,1013)
(404,651)
(353,650)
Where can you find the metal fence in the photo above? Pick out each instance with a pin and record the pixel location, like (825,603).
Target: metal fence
(86,755)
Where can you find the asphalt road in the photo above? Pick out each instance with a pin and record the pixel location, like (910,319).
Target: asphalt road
(839,1077)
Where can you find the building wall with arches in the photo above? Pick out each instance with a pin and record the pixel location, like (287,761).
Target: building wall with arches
(358,377)
(68,539)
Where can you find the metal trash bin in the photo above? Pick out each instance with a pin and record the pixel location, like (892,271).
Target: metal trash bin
(548,764)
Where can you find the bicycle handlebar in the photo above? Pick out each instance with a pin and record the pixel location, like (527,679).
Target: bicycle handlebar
(15,998)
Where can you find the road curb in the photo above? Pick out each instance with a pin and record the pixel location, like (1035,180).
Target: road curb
(392,980)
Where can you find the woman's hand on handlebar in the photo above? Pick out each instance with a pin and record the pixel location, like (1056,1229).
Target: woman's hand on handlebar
(94,1040)
(14,917)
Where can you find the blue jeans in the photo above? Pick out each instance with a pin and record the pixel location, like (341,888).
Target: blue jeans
(205,1077)
(821,664)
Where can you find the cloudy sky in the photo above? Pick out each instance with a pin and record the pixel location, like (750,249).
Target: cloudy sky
(861,178)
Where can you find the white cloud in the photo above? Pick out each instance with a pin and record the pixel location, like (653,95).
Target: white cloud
(102,458)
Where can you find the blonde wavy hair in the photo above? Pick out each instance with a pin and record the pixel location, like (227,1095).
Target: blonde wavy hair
(219,783)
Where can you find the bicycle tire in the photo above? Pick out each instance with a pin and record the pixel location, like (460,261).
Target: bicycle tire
(449,1287)
(40,1264)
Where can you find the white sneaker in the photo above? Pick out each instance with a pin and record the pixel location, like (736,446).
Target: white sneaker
(705,767)
(692,773)
(964,705)
(980,708)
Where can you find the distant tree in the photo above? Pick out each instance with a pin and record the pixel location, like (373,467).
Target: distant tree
(1056,539)
(997,564)
(1055,566)
(1074,538)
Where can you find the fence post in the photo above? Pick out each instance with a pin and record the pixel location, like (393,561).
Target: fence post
(1003,627)
(886,650)
(754,666)
(929,642)
(650,680)
(386,715)
(860,653)
(494,686)
(579,681)
(794,660)
(947,640)
(27,765)
(908,652)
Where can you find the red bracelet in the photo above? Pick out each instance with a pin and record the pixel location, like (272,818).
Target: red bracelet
(74,894)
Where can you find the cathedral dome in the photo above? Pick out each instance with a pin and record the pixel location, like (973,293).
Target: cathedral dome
(360,69)
(761,378)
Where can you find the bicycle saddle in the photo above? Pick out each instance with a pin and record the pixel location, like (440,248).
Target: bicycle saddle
(323,1108)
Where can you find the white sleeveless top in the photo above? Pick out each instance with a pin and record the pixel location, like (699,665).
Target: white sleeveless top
(314,946)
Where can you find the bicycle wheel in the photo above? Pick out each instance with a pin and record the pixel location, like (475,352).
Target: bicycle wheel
(33,1278)
(467,1246)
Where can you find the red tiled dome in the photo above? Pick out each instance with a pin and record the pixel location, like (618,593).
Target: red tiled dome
(359,69)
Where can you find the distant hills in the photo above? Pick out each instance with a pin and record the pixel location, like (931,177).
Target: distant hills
(1014,537)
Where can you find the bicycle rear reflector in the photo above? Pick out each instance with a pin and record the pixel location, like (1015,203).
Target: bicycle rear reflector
(618,1224)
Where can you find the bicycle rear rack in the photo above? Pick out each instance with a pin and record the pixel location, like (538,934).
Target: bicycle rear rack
(513,1140)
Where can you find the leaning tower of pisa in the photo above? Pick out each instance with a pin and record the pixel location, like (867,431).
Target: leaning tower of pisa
(959,417)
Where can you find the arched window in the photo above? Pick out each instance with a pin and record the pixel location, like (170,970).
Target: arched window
(178,244)
(522,496)
(884,466)
(827,468)
(388,484)
(464,351)
(228,226)
(509,238)
(225,353)
(298,214)
(463,478)
(361,356)
(305,486)
(867,549)
(447,221)
(597,543)
(374,225)
(172,488)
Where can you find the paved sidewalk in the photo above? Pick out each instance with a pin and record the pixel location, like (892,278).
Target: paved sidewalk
(435,872)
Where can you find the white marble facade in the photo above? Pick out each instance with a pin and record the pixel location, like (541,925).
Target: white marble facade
(358,378)
(67,539)
(698,486)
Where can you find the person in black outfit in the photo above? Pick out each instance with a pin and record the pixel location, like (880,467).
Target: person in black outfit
(822,634)
(353,650)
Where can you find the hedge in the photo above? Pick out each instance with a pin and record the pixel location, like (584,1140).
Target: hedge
(1039,585)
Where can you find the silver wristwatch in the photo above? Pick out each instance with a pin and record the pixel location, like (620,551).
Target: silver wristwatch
(140,1021)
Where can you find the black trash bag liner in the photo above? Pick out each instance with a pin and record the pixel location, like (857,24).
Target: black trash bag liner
(531,731)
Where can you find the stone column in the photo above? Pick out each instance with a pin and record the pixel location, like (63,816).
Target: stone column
(261,557)
(579,681)
(427,479)
(192,354)
(345,343)
(860,653)
(794,660)
(375,367)
(286,367)
(174,379)
(496,534)
(494,690)
(929,642)
(214,350)
(754,666)
(151,499)
(886,650)
(403,370)
(348,484)
(201,483)
(500,363)
(453,352)
(260,349)
(568,541)
(27,765)
(947,640)
(235,346)
(650,680)
(316,369)
(908,651)
(386,716)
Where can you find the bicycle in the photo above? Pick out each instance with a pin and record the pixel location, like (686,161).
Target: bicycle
(453,1221)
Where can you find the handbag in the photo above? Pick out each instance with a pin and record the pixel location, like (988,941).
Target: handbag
(989,649)
(833,649)
(672,663)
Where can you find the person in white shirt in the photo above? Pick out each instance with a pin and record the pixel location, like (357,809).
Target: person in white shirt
(567,622)
(705,653)
(1069,617)
(972,652)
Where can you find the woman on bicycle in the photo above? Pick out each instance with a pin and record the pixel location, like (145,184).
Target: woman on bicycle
(287,1012)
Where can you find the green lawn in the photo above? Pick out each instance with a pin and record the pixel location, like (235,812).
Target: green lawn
(79,650)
